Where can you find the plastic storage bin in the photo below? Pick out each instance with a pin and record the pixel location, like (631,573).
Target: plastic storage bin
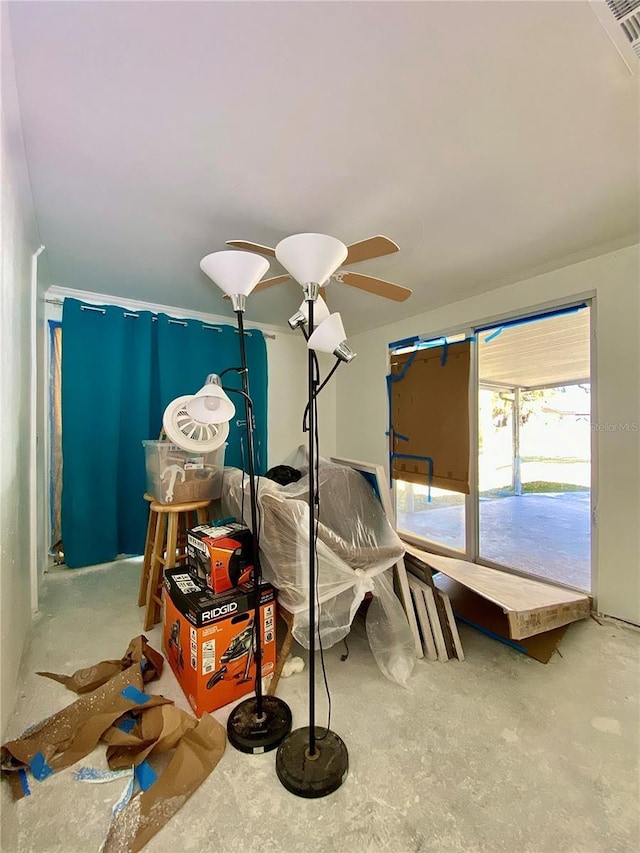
(175,475)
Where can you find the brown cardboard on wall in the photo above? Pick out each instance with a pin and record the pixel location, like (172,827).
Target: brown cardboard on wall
(430,409)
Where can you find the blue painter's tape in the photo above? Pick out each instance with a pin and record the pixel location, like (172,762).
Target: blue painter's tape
(39,767)
(405,342)
(134,695)
(126,725)
(491,634)
(544,315)
(22,776)
(426,459)
(493,335)
(146,775)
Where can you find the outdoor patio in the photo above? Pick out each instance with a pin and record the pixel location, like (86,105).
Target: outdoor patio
(546,534)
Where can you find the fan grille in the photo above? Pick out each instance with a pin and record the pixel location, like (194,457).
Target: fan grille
(195,430)
(620,8)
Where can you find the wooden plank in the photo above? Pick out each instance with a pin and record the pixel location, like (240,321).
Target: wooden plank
(487,617)
(434,618)
(425,625)
(451,619)
(424,573)
(405,597)
(531,606)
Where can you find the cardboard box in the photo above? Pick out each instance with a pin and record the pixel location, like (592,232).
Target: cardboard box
(490,619)
(220,555)
(208,640)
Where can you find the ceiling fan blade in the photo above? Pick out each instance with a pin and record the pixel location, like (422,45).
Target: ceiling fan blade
(247,246)
(372,247)
(323,293)
(269,282)
(377,286)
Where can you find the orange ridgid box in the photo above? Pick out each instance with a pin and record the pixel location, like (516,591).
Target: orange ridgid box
(208,639)
(219,554)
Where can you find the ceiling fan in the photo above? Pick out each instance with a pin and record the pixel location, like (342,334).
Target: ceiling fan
(363,250)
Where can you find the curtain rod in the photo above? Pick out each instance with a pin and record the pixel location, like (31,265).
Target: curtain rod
(154,318)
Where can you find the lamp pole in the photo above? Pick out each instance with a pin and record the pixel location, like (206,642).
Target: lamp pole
(260,723)
(253,500)
(312,531)
(309,765)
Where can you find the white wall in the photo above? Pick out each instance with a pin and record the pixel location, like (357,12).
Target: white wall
(16,248)
(614,279)
(287,356)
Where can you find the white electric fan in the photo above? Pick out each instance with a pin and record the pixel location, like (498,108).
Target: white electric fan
(183,429)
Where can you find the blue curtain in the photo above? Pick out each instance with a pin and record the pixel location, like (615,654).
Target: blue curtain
(120,369)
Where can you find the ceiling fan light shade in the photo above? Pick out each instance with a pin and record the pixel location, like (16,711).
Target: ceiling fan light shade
(311,257)
(210,405)
(236,273)
(331,337)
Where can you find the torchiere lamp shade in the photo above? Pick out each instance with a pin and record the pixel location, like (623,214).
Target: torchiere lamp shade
(210,405)
(311,257)
(236,273)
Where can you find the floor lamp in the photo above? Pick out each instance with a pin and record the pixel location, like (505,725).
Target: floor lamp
(312,762)
(260,723)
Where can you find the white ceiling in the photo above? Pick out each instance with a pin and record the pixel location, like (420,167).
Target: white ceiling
(488,139)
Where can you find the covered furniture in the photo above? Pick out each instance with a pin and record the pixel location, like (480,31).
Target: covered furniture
(356,547)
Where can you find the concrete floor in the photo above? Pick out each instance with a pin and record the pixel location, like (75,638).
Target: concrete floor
(545,534)
(498,753)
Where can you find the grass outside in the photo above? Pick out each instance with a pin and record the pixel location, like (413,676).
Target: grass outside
(440,498)
(537,487)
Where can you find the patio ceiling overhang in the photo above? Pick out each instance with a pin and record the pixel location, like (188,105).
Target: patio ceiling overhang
(542,353)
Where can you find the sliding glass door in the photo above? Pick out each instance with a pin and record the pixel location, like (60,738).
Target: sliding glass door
(436,515)
(528,506)
(534,447)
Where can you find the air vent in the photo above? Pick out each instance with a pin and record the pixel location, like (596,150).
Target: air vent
(627,14)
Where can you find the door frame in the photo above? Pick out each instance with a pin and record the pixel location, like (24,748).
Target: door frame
(472,514)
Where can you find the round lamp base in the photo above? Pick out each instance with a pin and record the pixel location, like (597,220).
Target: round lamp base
(308,775)
(248,732)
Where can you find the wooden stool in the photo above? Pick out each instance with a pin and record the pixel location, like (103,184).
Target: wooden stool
(165,548)
(283,654)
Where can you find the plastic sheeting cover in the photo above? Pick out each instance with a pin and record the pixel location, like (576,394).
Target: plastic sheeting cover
(355,546)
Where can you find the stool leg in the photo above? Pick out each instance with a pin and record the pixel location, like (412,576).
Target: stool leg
(282,657)
(181,542)
(169,562)
(202,515)
(148,551)
(172,541)
(155,575)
